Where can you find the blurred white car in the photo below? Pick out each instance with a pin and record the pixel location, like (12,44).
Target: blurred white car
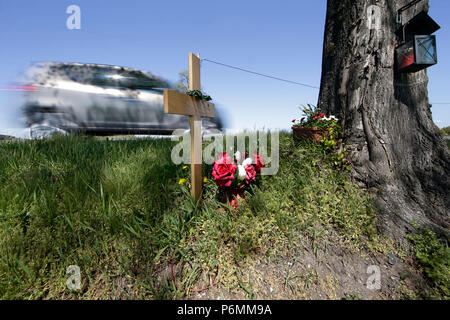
(100,99)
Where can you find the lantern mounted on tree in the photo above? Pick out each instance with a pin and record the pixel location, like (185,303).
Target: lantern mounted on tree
(418,48)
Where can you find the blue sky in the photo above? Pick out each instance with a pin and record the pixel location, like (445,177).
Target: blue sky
(280,38)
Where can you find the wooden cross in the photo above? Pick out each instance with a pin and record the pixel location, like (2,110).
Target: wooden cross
(178,103)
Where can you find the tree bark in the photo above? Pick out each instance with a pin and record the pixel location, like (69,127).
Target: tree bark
(395,149)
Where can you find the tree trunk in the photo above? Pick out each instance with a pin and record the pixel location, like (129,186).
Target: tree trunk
(395,149)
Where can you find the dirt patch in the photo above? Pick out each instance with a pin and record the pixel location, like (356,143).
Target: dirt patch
(334,273)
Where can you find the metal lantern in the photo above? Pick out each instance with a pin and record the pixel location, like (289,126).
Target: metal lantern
(418,48)
(417,54)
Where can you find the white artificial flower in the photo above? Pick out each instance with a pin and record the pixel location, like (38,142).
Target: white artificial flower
(237,155)
(247,162)
(241,172)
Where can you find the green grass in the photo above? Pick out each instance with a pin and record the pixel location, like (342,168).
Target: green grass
(433,257)
(115,209)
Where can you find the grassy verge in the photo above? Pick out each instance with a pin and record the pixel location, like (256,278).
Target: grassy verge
(116,210)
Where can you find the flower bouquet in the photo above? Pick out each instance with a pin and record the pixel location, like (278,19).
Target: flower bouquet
(235,174)
(315,126)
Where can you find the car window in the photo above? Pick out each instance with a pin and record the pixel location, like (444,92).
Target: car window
(106,77)
(126,79)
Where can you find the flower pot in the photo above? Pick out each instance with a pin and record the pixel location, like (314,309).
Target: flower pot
(311,133)
(232,196)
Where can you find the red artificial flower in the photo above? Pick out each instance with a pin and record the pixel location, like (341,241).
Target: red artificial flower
(259,162)
(223,171)
(316,117)
(321,115)
(251,174)
(293,120)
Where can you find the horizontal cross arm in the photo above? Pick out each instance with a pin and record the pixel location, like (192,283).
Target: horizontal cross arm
(179,103)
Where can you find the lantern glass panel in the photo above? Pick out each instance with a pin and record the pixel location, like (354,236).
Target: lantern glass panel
(426,50)
(405,55)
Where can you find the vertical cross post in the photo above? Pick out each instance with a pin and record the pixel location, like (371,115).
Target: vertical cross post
(178,103)
(195,122)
